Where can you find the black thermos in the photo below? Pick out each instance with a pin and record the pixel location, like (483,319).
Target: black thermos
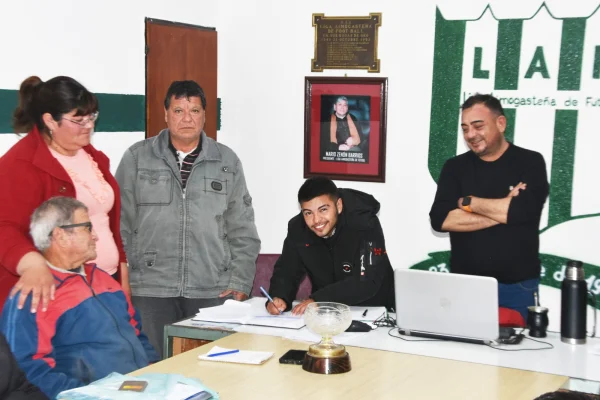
(574,294)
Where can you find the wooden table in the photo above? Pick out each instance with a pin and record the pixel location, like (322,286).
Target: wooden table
(375,374)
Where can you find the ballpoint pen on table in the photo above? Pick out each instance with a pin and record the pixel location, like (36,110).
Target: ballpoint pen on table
(365,313)
(222,353)
(262,289)
(203,395)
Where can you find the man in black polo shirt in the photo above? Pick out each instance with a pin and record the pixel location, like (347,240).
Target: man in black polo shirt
(490,199)
(337,240)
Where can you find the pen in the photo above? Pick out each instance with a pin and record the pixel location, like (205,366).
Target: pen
(200,396)
(222,353)
(365,313)
(262,289)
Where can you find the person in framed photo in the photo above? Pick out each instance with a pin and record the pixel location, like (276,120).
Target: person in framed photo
(344,128)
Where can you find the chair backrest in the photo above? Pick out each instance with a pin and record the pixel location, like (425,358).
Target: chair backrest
(264,271)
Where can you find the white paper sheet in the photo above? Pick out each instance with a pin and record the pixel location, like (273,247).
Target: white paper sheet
(250,312)
(241,357)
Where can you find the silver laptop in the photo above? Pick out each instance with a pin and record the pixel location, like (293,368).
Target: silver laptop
(447,306)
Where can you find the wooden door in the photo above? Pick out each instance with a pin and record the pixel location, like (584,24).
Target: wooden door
(176,52)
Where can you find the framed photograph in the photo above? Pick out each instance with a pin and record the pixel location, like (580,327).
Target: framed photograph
(344,128)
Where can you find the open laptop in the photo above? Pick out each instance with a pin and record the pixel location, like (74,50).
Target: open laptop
(447,306)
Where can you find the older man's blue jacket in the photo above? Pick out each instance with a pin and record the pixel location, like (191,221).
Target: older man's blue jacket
(89,330)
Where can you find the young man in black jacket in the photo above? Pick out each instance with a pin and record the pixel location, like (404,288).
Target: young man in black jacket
(337,240)
(13,382)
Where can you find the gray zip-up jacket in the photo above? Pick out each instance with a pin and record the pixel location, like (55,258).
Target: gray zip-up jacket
(196,243)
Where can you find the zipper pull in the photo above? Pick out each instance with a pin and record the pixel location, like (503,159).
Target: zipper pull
(362,260)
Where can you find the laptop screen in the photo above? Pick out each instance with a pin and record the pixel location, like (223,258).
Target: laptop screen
(447,304)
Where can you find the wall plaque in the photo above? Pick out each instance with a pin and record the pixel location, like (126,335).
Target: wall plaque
(346,42)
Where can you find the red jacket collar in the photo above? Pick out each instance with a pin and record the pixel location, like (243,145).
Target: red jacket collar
(43,159)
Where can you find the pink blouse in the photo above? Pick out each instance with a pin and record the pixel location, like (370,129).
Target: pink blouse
(93,191)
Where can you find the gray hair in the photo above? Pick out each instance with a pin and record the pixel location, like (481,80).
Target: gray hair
(341,98)
(52,213)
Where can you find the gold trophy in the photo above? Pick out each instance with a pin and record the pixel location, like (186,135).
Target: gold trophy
(327,319)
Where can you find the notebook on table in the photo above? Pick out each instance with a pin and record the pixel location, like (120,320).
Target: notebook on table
(221,354)
(447,306)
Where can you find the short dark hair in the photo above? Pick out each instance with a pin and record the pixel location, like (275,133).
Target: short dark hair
(185,89)
(58,96)
(492,103)
(317,186)
(562,395)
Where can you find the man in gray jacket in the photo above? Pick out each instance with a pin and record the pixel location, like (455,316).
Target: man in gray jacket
(187,220)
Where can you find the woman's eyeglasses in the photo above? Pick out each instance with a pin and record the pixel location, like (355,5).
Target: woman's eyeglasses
(84,122)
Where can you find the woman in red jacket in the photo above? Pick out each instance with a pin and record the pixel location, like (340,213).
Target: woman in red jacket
(55,158)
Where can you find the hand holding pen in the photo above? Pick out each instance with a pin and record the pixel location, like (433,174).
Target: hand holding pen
(275,306)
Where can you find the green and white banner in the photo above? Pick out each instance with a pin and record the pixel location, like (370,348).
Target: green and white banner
(546,72)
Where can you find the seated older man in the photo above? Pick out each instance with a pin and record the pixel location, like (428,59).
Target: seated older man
(90,328)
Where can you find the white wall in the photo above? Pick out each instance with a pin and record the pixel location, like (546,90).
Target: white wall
(100,44)
(264,54)
(269,136)
(265,49)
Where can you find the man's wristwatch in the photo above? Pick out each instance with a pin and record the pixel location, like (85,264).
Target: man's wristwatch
(466,204)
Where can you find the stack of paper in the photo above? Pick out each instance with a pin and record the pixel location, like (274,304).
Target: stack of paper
(251,312)
(240,357)
(231,311)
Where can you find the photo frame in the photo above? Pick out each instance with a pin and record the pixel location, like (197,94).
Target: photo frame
(345,128)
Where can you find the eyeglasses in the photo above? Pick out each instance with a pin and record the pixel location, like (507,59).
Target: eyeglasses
(87,225)
(84,122)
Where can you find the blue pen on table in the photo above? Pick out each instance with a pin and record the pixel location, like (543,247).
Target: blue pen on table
(262,289)
(222,353)
(203,395)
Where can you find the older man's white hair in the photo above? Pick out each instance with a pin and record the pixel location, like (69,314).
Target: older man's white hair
(52,213)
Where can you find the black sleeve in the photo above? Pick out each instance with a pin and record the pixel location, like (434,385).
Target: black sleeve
(288,272)
(358,126)
(13,382)
(528,205)
(360,287)
(446,197)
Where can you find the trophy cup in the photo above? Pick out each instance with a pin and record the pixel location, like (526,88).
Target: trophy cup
(327,320)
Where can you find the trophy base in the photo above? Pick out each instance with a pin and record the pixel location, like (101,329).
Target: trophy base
(327,365)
